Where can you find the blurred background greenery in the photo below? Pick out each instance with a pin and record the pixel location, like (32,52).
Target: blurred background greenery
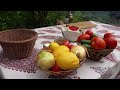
(36,19)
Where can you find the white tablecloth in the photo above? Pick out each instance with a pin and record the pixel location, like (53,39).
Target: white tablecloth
(109,68)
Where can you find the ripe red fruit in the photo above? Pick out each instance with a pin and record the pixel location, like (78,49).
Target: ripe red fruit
(83,37)
(73,28)
(98,43)
(107,35)
(66,43)
(89,32)
(55,68)
(111,42)
(71,46)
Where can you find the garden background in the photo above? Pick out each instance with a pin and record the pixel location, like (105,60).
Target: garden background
(34,19)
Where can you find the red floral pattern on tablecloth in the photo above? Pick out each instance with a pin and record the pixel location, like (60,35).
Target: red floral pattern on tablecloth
(51,31)
(67,77)
(25,65)
(117,36)
(118,75)
(107,74)
(102,31)
(111,57)
(44,42)
(118,48)
(51,28)
(40,33)
(49,37)
(115,28)
(100,70)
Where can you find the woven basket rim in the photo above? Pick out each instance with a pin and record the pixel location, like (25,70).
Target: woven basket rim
(21,41)
(66,71)
(100,49)
(50,72)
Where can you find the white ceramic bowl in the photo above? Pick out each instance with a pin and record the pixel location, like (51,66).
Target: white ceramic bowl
(71,35)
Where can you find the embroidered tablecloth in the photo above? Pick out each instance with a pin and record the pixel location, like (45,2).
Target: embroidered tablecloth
(26,68)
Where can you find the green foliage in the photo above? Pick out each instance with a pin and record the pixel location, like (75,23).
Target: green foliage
(34,19)
(100,16)
(11,19)
(54,15)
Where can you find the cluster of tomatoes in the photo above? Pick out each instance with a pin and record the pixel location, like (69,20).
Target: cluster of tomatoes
(89,39)
(67,43)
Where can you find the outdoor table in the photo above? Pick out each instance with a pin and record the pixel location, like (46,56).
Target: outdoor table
(26,68)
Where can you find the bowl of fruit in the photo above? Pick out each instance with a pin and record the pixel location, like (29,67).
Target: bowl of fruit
(60,59)
(71,32)
(96,45)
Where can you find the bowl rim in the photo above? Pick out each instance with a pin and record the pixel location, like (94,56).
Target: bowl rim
(68,29)
(49,71)
(21,41)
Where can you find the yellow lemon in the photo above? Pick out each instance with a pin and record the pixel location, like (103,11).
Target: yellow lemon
(60,50)
(67,61)
(53,46)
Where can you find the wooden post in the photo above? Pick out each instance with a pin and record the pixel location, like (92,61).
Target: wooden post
(70,17)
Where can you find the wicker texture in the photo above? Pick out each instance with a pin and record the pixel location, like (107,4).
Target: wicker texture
(60,73)
(18,43)
(96,55)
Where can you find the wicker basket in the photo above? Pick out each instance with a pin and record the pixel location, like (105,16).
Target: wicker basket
(96,55)
(60,73)
(18,43)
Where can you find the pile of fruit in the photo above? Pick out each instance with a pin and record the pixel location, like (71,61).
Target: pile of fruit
(60,57)
(91,40)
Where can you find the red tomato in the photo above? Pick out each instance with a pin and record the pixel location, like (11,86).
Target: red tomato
(98,43)
(73,28)
(66,43)
(89,32)
(55,68)
(107,35)
(83,37)
(71,46)
(111,42)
